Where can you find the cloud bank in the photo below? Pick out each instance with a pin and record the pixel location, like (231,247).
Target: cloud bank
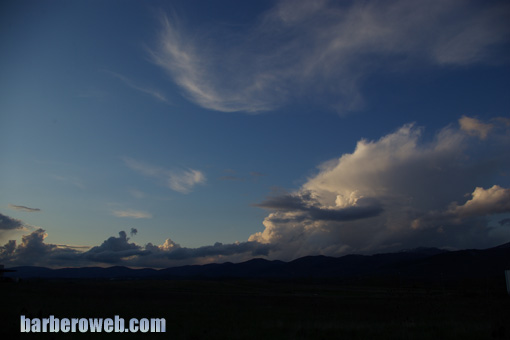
(304,48)
(119,251)
(400,191)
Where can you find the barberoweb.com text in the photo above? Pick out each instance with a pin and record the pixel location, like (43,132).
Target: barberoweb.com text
(83,325)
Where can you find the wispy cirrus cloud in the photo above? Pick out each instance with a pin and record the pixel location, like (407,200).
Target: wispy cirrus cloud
(132,213)
(324,48)
(149,91)
(23,208)
(180,180)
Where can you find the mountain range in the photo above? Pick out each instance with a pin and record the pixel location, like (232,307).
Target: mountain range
(419,263)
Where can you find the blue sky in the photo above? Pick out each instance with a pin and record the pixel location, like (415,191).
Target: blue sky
(277,128)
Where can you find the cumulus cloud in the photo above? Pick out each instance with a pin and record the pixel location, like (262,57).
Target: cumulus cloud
(494,200)
(33,251)
(113,250)
(133,232)
(180,180)
(484,202)
(23,208)
(397,190)
(131,214)
(118,250)
(323,47)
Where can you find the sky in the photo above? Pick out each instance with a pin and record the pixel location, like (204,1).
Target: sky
(164,133)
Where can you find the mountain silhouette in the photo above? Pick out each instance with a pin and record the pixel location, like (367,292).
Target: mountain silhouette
(421,263)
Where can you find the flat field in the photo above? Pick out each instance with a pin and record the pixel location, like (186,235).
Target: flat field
(266,309)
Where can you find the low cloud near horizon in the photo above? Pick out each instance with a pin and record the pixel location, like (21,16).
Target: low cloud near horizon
(400,191)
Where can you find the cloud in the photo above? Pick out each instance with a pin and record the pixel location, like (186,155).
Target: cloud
(131,214)
(23,208)
(180,180)
(310,209)
(118,250)
(494,200)
(505,221)
(114,250)
(474,127)
(33,251)
(133,232)
(400,191)
(325,48)
(149,91)
(219,249)
(393,191)
(9,223)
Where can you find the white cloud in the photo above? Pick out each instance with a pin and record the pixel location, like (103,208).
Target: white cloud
(131,214)
(180,180)
(184,180)
(303,48)
(474,127)
(494,200)
(396,190)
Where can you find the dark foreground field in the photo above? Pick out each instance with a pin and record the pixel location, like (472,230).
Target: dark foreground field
(250,309)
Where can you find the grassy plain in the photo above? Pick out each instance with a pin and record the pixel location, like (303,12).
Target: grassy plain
(267,309)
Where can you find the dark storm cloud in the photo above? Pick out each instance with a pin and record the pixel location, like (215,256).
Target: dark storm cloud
(114,249)
(33,251)
(286,202)
(9,223)
(304,202)
(118,250)
(218,249)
